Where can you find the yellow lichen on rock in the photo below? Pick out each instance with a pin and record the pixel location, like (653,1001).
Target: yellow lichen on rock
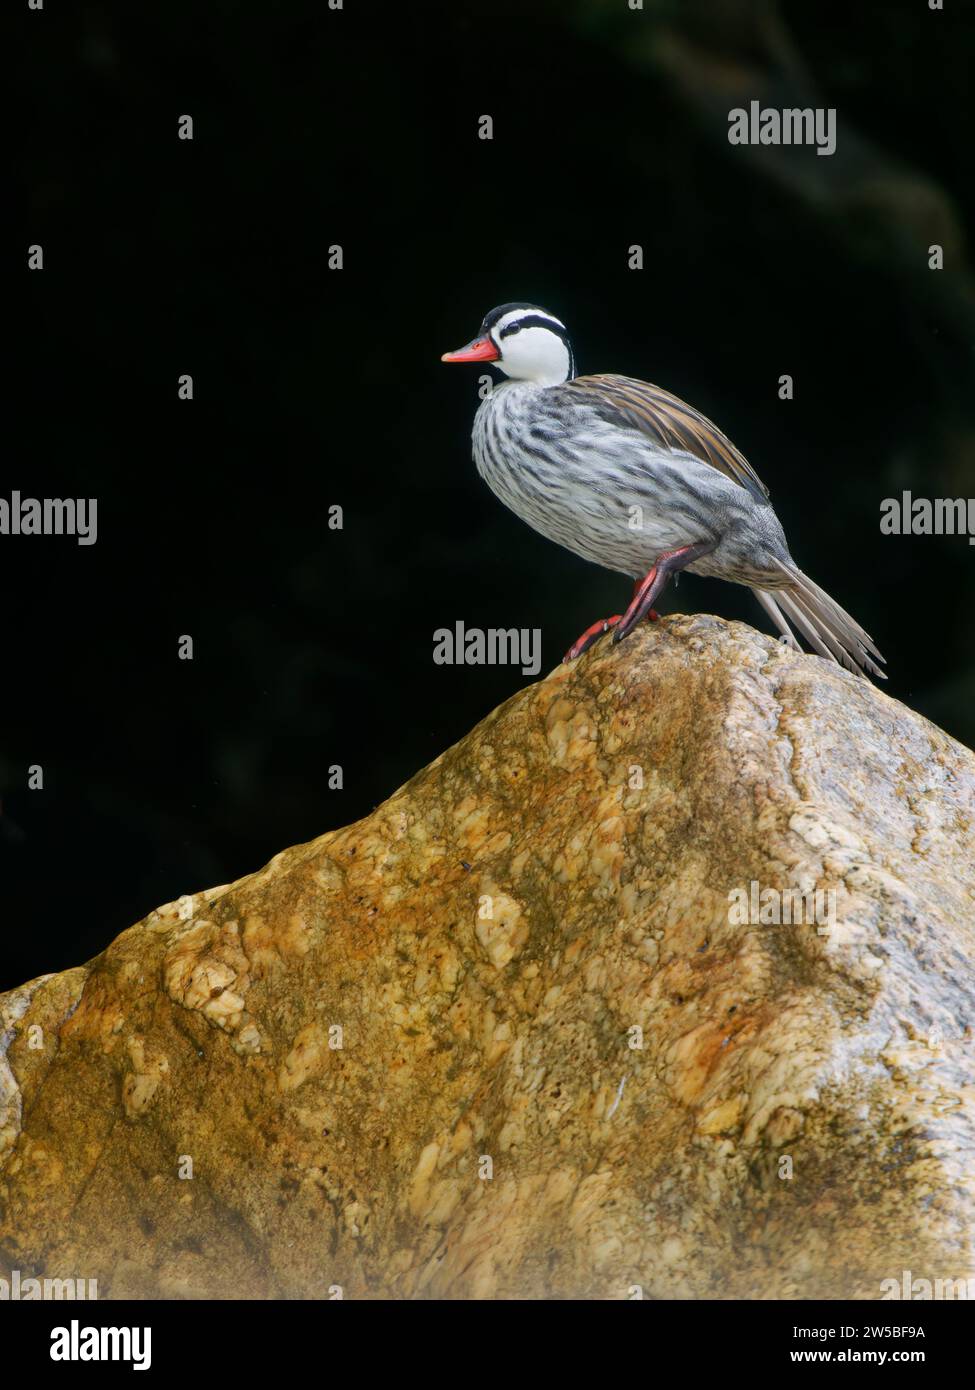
(507,1037)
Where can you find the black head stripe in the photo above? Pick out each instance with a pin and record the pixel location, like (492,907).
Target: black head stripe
(491,318)
(535,321)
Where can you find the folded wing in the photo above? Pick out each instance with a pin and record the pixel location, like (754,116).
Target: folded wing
(669,422)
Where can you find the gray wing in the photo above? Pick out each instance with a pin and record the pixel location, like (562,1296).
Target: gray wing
(668,421)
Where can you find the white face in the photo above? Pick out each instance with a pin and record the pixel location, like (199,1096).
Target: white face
(531,352)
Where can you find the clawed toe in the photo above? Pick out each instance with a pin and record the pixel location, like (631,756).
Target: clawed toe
(592,634)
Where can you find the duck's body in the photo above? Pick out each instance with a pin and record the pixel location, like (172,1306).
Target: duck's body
(611,494)
(632,478)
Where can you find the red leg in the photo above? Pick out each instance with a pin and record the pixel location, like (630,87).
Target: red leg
(596,630)
(650,588)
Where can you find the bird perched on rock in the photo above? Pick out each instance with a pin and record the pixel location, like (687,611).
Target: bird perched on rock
(634,479)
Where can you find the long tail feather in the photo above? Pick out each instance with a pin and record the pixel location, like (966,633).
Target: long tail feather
(827,627)
(775,613)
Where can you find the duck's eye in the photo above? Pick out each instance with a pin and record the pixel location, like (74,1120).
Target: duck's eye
(512,328)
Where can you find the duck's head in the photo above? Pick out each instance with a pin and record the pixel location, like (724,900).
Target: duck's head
(525,341)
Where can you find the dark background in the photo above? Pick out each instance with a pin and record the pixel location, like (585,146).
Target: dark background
(359,127)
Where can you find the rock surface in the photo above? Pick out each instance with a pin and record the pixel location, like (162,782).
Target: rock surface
(503,1037)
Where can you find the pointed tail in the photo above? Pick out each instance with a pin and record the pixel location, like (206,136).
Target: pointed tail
(827,628)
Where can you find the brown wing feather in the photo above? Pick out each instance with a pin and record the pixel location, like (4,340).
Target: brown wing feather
(669,422)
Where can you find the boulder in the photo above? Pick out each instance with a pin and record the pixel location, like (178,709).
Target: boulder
(538,1027)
